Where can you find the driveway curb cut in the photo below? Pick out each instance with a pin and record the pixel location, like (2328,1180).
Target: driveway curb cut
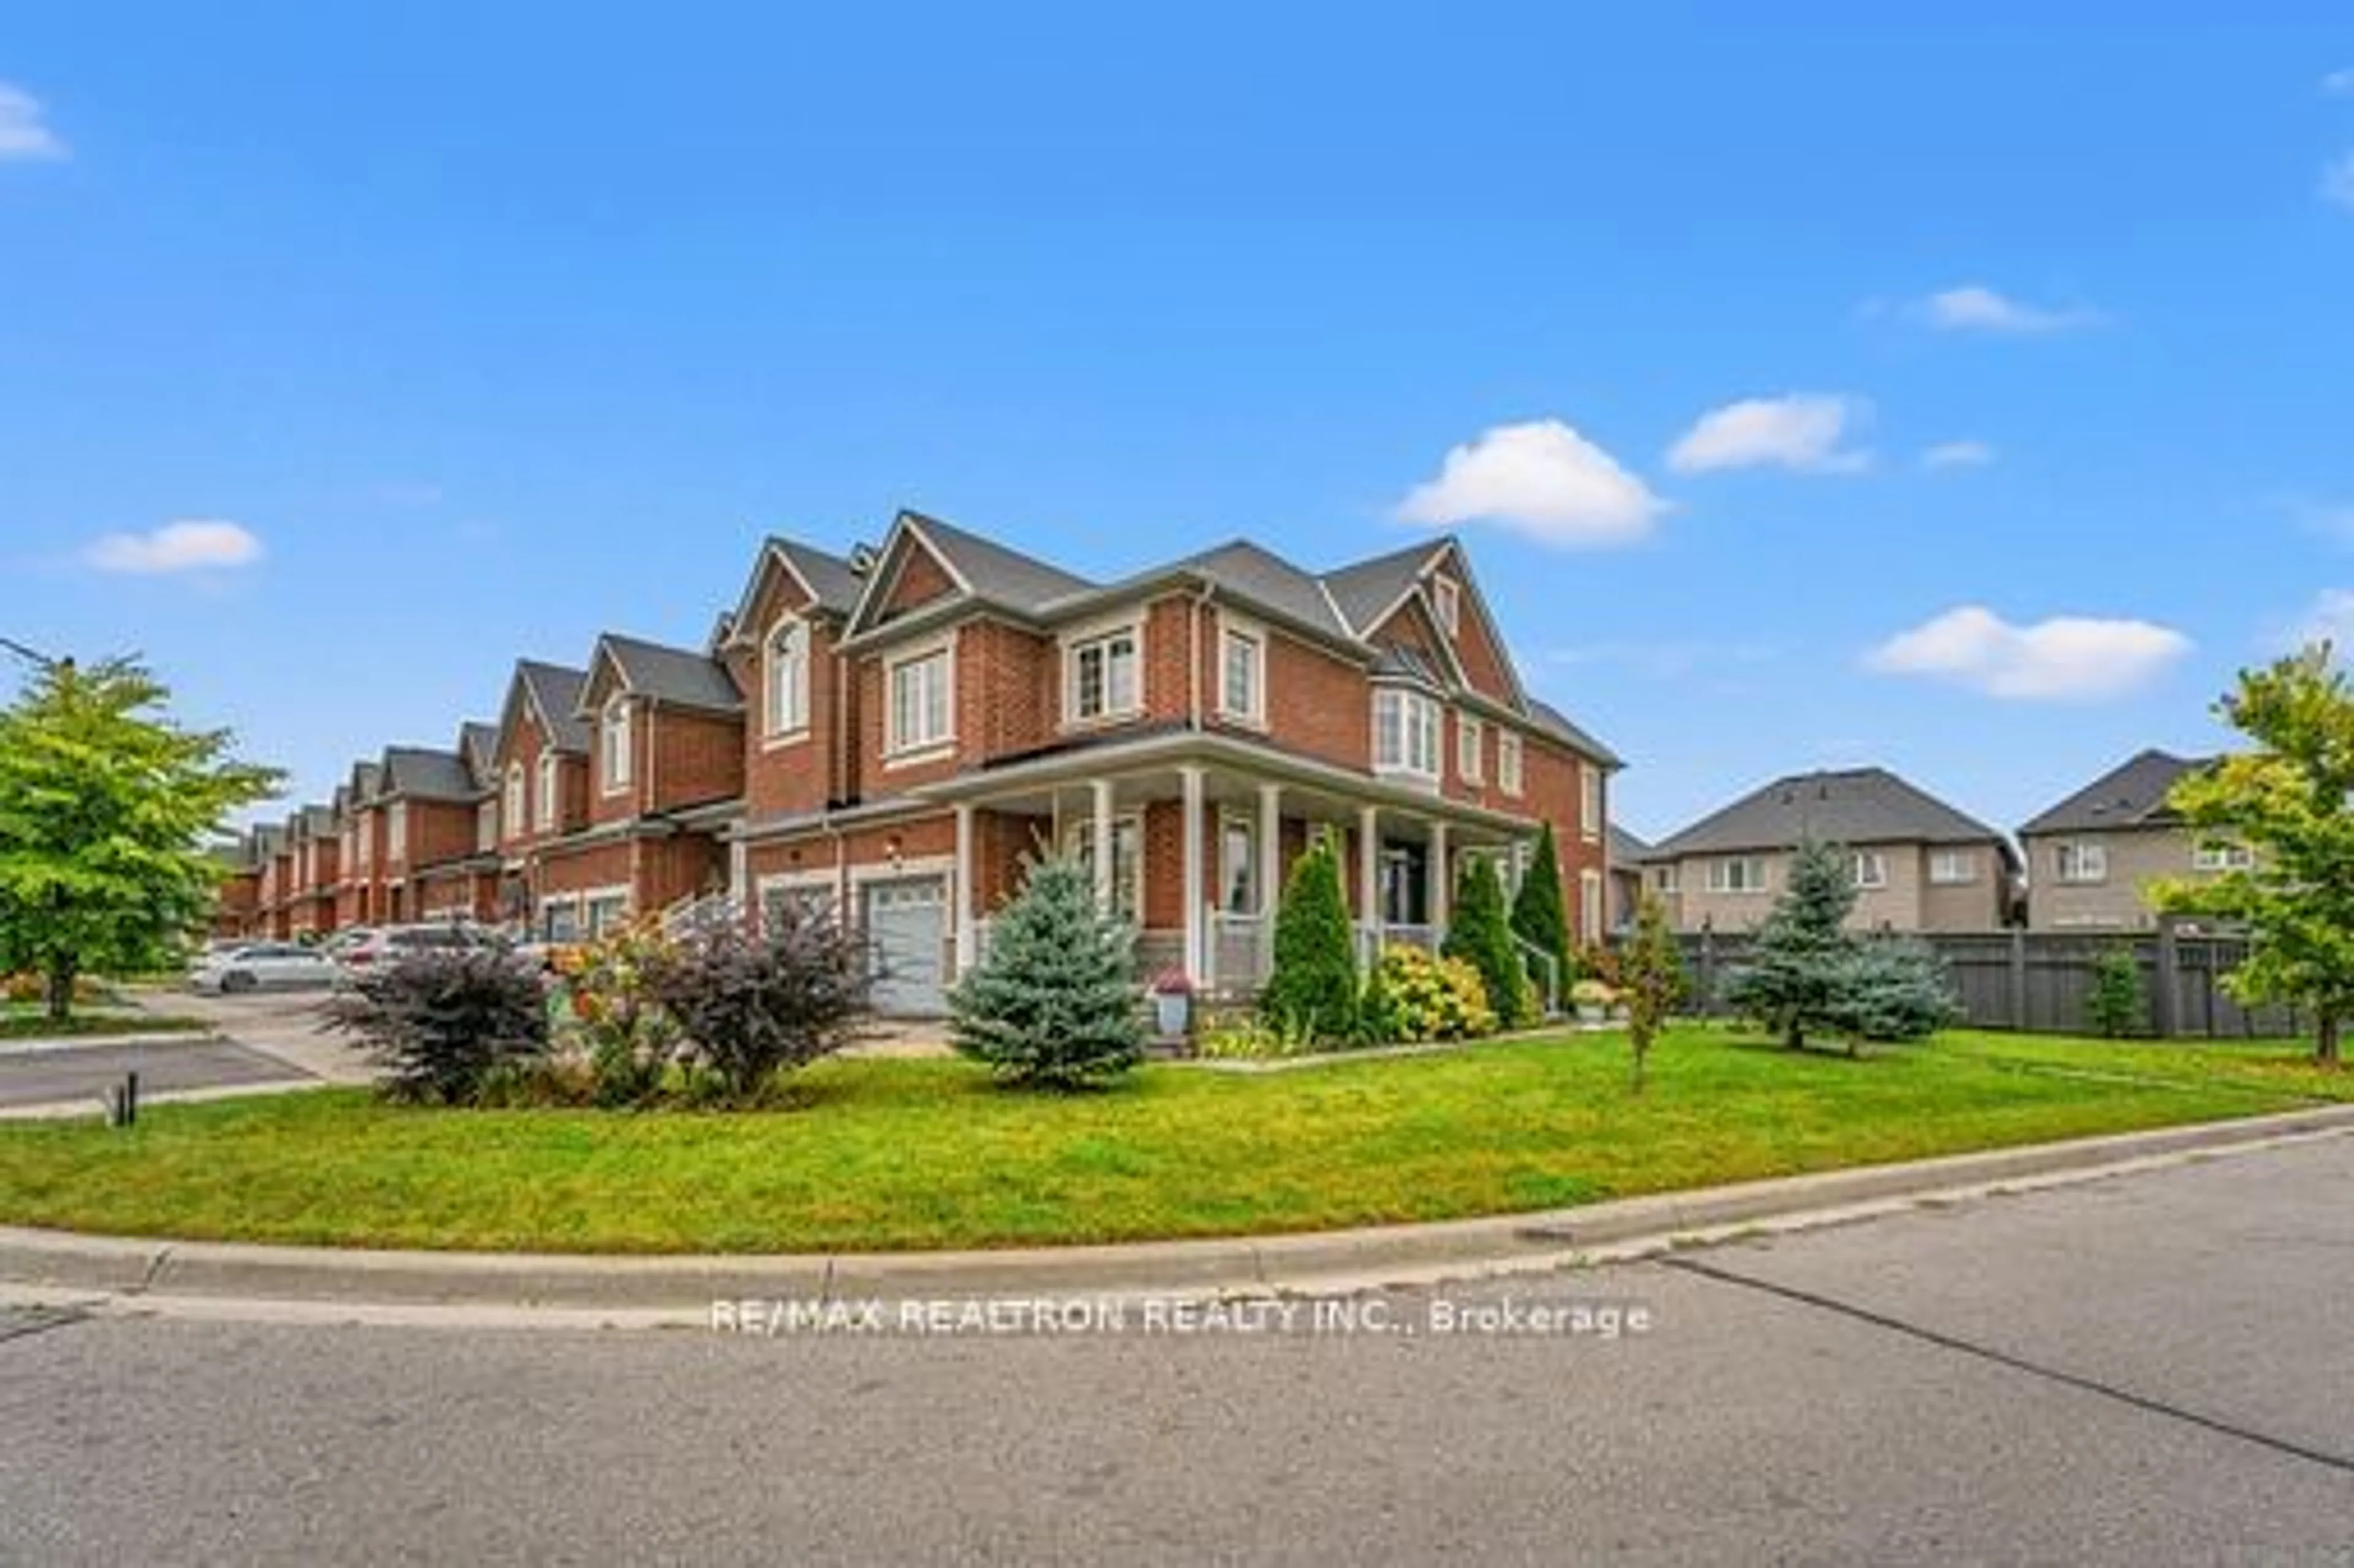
(680,1288)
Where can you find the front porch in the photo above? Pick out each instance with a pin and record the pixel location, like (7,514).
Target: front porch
(1196,852)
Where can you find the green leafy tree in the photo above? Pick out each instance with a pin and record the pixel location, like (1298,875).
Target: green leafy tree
(107,807)
(1312,988)
(1480,933)
(2117,1002)
(2291,801)
(1054,1003)
(1541,913)
(1650,980)
(1790,980)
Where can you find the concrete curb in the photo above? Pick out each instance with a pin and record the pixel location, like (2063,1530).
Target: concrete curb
(126,1272)
(209,1037)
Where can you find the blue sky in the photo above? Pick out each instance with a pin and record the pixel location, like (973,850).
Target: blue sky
(487,332)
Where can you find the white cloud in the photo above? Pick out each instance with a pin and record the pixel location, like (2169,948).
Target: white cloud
(1957,454)
(2331,621)
(1801,431)
(2338,181)
(1541,479)
(1974,307)
(24,134)
(2067,658)
(185,546)
(2340,83)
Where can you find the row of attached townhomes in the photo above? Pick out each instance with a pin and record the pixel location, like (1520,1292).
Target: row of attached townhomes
(1922,866)
(890,735)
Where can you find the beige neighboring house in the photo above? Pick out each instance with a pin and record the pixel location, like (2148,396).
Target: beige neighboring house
(1627,856)
(1920,864)
(2091,858)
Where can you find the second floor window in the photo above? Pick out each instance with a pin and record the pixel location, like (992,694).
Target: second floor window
(1663,879)
(1406,733)
(1508,762)
(1243,682)
(363,841)
(1952,868)
(514,806)
(919,701)
(2081,863)
(1470,748)
(1103,675)
(1446,603)
(787,678)
(396,833)
(551,801)
(614,732)
(2222,857)
(1589,814)
(1739,873)
(1870,868)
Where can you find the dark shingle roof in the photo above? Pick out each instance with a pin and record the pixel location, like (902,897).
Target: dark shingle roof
(1552,718)
(478,745)
(1859,806)
(1397,663)
(833,580)
(366,777)
(555,691)
(2132,794)
(677,675)
(1625,849)
(1363,590)
(1000,576)
(421,773)
(318,822)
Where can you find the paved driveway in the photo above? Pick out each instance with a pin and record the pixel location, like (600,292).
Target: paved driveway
(83,1073)
(2151,1369)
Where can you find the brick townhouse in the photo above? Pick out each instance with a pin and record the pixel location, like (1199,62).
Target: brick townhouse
(921,720)
(892,734)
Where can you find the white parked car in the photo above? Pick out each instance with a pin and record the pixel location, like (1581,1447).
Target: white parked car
(262,966)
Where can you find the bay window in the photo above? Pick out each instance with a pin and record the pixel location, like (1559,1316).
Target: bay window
(1406,733)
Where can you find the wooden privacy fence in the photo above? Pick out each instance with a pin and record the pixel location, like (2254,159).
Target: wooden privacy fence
(2040,981)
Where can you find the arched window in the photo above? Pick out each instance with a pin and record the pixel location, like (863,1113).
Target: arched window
(787,678)
(551,800)
(516,822)
(615,731)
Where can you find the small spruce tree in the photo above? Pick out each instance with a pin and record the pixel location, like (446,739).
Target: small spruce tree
(1313,989)
(2117,1003)
(1650,978)
(1790,982)
(1539,911)
(1054,1002)
(1480,933)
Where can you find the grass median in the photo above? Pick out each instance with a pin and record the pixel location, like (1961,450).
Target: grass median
(909,1154)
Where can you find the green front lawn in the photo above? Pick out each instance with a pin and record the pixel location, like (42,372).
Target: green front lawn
(20,1020)
(920,1154)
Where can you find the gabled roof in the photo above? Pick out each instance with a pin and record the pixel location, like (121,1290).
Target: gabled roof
(2132,794)
(478,746)
(992,572)
(833,585)
(1549,718)
(1625,849)
(1366,592)
(318,822)
(367,779)
(1857,805)
(679,676)
(554,693)
(421,773)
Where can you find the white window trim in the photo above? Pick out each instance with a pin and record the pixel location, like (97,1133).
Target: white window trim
(773,733)
(1074,643)
(1447,604)
(514,803)
(1593,801)
(1470,748)
(2223,858)
(1666,880)
(396,831)
(1406,766)
(1232,626)
(1877,859)
(1966,861)
(613,769)
(1511,774)
(1590,911)
(1721,883)
(549,803)
(2083,853)
(898,752)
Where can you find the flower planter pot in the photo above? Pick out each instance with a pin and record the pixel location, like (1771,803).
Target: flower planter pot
(1591,1012)
(1171,1012)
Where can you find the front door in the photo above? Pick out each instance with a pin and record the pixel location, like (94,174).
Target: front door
(1406,885)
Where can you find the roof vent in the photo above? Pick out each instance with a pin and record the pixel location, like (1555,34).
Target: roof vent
(862,560)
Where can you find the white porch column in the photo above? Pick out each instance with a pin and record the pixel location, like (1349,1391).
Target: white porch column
(1270,850)
(1369,870)
(1441,885)
(1100,839)
(1189,781)
(739,876)
(967,936)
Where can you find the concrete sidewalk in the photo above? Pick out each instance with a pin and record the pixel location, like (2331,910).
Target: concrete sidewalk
(568,1289)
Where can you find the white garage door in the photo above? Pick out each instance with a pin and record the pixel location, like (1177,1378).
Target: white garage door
(906,924)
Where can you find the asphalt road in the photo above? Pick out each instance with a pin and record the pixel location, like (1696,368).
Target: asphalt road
(2148,1369)
(80,1073)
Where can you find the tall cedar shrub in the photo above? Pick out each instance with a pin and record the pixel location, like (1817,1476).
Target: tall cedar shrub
(753,1006)
(1054,1003)
(1312,988)
(2118,1003)
(1480,933)
(441,1022)
(1541,912)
